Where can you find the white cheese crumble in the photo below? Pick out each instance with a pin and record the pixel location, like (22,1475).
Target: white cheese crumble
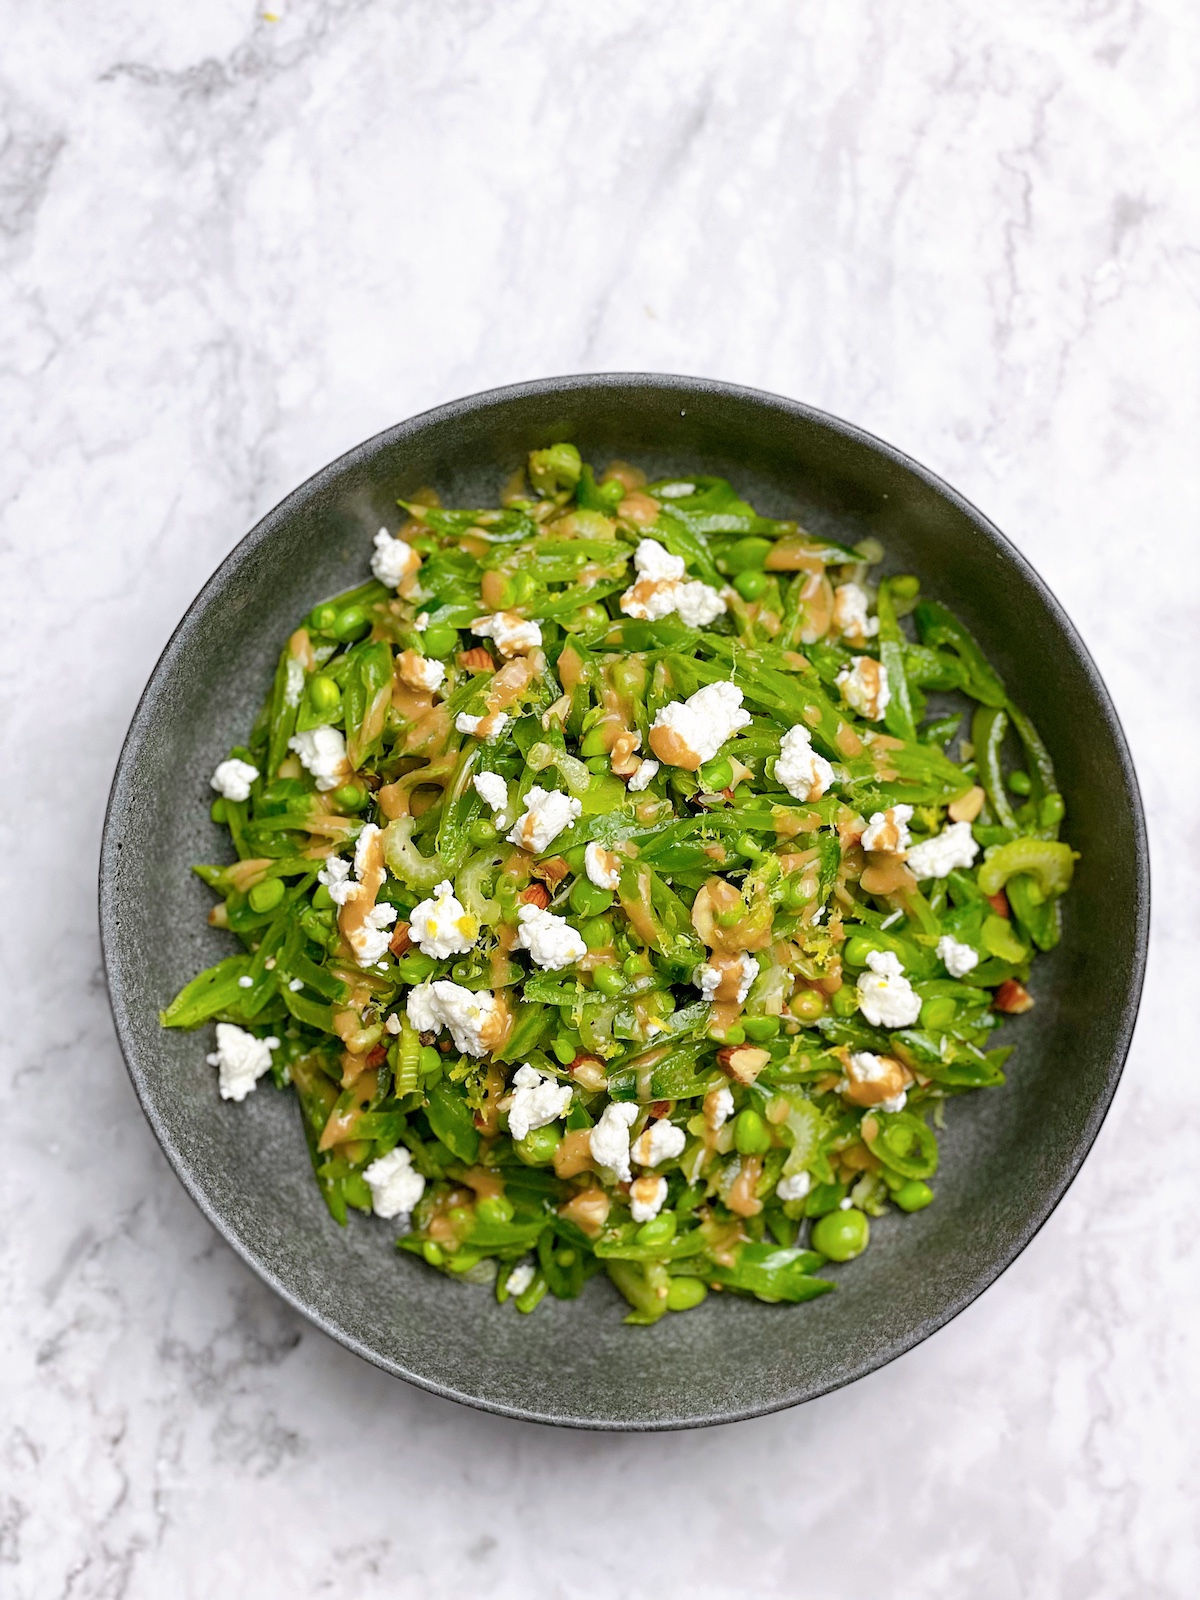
(335,875)
(865,687)
(647,1195)
(642,776)
(241,1059)
(938,857)
(394,1184)
(322,752)
(474,1019)
(393,560)
(661,589)
(708,979)
(697,604)
(655,561)
(496,720)
(420,672)
(233,778)
(547,813)
(293,681)
(370,941)
(603,867)
(520,1278)
(794,1187)
(513,636)
(704,721)
(245,982)
(850,603)
(887,831)
(658,1142)
(491,789)
(885,996)
(537,1099)
(551,941)
(721,1109)
(675,491)
(442,926)
(608,1141)
(802,772)
(957,958)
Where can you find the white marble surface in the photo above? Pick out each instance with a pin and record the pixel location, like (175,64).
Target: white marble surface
(232,248)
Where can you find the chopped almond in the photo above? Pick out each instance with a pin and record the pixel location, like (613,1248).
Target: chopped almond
(742,1061)
(999,904)
(400,941)
(475,660)
(1012,998)
(968,806)
(537,894)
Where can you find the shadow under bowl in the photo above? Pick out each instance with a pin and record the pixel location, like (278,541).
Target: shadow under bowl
(1008,1155)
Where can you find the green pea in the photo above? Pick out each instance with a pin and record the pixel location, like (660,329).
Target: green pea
(350,797)
(265,896)
(537,1148)
(807,1005)
(734,1034)
(482,831)
(565,1049)
(494,1208)
(658,1230)
(684,1294)
(845,1001)
(430,1060)
(1019,782)
(628,676)
(716,775)
(938,1013)
(350,624)
(594,743)
(217,810)
(433,1253)
(597,932)
(913,1195)
(322,899)
(841,1235)
(324,693)
(597,764)
(905,587)
(439,639)
(760,1029)
(748,554)
(322,618)
(565,1258)
(856,950)
(1053,810)
(750,585)
(589,901)
(751,1136)
(638,965)
(607,979)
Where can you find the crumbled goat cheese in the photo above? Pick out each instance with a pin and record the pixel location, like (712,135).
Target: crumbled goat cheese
(370,941)
(293,682)
(865,686)
(241,1058)
(466,723)
(491,789)
(721,1109)
(475,1020)
(295,985)
(547,813)
(850,602)
(420,672)
(655,562)
(520,1278)
(551,941)
(660,1141)
(245,982)
(793,1188)
(537,1099)
(364,846)
(609,1139)
(885,996)
(393,1024)
(802,772)
(660,589)
(422,622)
(697,604)
(749,973)
(395,1186)
(512,634)
(442,926)
(701,724)
(393,560)
(647,1196)
(603,867)
(897,1102)
(233,778)
(938,857)
(642,776)
(957,958)
(887,831)
(335,875)
(708,980)
(322,752)
(675,491)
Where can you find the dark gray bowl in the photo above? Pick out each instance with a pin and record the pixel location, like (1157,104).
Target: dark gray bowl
(1008,1154)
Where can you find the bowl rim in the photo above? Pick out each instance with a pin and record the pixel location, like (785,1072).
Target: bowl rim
(454,410)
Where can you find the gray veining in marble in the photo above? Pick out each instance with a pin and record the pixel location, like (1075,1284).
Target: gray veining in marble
(232,247)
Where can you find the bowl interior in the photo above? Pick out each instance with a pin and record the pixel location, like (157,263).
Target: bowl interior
(1008,1154)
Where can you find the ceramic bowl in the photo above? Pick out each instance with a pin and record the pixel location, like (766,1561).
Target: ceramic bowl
(1008,1154)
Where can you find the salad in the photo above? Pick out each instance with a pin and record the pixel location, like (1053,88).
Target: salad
(624,883)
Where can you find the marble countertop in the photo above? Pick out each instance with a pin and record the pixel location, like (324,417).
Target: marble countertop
(232,247)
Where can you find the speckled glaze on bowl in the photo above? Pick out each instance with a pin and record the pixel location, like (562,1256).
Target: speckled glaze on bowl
(1008,1155)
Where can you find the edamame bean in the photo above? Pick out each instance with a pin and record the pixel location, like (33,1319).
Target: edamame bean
(265,896)
(845,1001)
(913,1196)
(1019,782)
(537,1148)
(658,1230)
(439,639)
(716,775)
(324,693)
(684,1294)
(760,1029)
(841,1235)
(905,587)
(750,585)
(350,624)
(748,554)
(607,979)
(807,1005)
(751,1136)
(350,797)
(323,617)
(494,1208)
(482,831)
(431,1060)
(1053,810)
(589,901)
(597,932)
